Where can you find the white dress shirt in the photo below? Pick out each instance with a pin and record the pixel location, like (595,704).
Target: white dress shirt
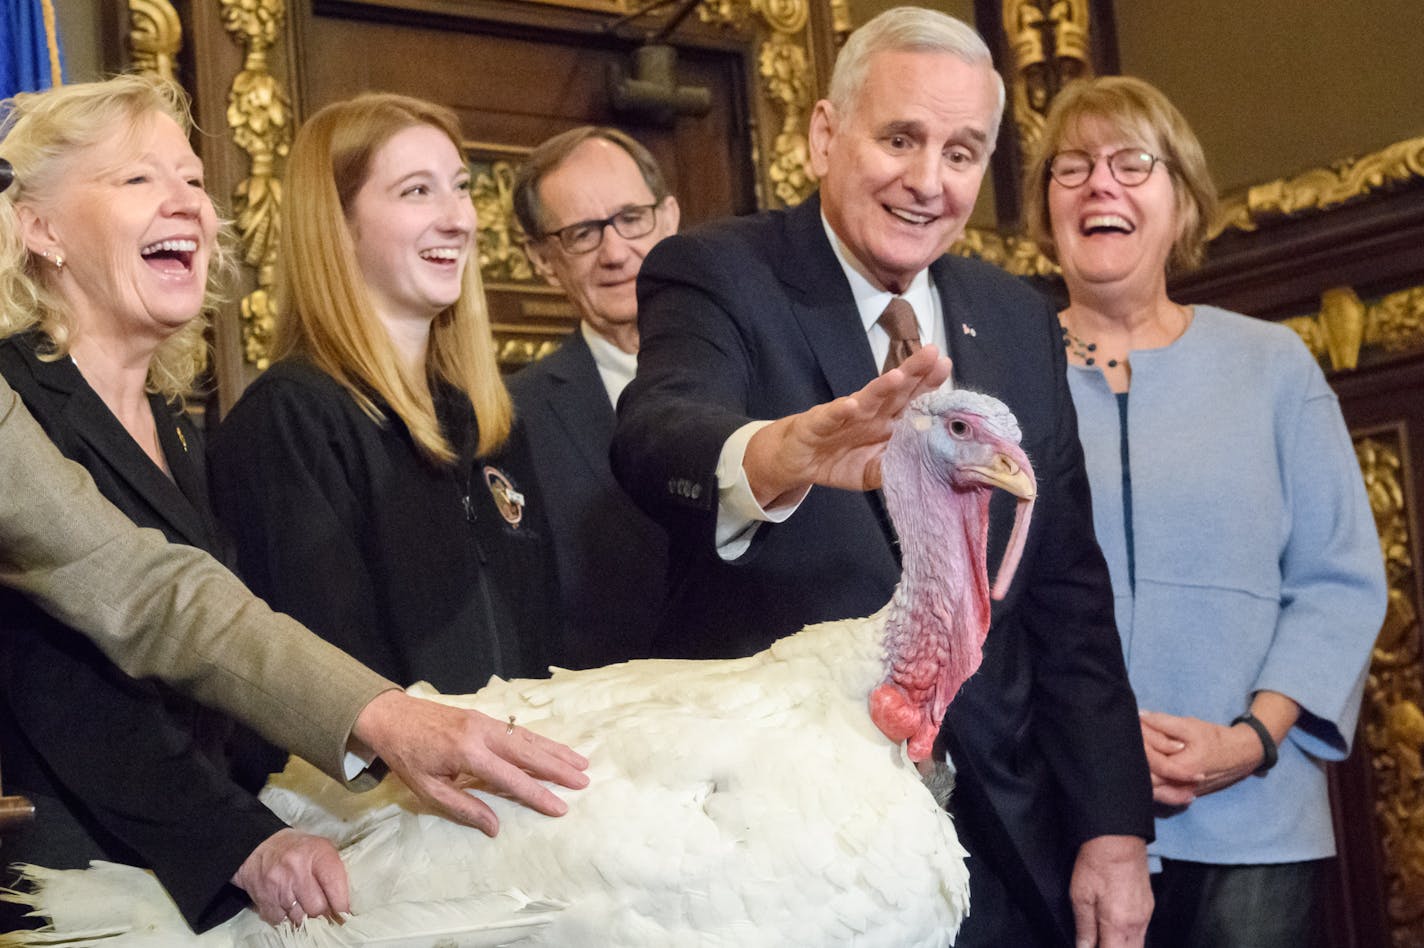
(615,367)
(738,512)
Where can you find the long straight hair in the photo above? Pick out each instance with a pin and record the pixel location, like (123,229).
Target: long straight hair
(326,314)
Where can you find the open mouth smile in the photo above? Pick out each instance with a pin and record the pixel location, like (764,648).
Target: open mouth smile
(441,255)
(1106,224)
(174,255)
(911,217)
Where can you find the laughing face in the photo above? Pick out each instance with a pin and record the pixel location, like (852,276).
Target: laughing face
(135,229)
(413,224)
(900,170)
(1110,237)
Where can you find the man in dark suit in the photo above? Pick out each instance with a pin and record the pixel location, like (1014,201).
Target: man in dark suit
(593,202)
(777,316)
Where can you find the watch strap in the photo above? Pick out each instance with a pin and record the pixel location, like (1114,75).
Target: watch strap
(1269,753)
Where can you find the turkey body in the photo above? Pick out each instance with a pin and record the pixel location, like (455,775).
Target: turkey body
(743,803)
(761,801)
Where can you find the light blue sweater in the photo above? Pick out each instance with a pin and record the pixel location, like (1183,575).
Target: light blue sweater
(1257,565)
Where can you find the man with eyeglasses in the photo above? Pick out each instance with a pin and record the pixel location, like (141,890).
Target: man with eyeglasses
(778,351)
(593,202)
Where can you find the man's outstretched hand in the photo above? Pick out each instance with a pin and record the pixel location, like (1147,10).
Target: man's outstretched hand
(839,443)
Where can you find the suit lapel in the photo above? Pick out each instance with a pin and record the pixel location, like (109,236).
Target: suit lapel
(580,402)
(86,415)
(825,309)
(822,303)
(969,330)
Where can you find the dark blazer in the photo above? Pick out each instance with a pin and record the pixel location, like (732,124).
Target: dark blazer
(407,565)
(115,775)
(753,318)
(612,556)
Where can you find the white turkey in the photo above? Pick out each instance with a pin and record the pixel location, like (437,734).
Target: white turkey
(748,802)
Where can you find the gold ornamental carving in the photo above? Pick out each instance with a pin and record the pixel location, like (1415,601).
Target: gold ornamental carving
(155,37)
(1049,45)
(499,240)
(1392,719)
(261,121)
(1347,326)
(784,67)
(842,23)
(1018,255)
(1322,188)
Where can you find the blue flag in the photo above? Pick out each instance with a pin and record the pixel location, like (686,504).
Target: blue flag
(29,46)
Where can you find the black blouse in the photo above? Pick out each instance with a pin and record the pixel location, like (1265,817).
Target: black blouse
(410,566)
(119,769)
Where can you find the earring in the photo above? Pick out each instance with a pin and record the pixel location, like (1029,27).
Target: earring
(55,258)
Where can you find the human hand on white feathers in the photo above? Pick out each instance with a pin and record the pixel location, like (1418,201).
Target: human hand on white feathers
(760,801)
(439,751)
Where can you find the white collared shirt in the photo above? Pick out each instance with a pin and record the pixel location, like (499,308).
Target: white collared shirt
(738,512)
(615,367)
(871,302)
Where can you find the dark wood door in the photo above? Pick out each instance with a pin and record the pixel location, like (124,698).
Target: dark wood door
(517,74)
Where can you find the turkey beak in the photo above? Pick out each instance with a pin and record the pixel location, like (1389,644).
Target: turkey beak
(1009,469)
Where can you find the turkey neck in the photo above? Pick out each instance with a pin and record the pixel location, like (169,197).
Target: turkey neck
(939,615)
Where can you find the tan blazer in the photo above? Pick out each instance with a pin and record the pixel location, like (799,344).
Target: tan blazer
(165,610)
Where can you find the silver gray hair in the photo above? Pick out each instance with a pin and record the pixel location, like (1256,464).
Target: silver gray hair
(908,29)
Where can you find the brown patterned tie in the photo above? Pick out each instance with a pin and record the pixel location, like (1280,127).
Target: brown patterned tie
(898,321)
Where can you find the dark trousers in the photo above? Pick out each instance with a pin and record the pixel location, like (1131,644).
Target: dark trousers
(1201,905)
(997,919)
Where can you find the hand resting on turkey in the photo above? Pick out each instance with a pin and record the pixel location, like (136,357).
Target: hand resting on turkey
(770,800)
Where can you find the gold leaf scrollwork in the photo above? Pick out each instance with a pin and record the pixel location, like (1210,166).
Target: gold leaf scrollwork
(502,256)
(783,16)
(1345,326)
(724,13)
(783,67)
(1049,42)
(1322,188)
(1029,82)
(521,350)
(260,118)
(1018,255)
(155,37)
(842,23)
(1393,722)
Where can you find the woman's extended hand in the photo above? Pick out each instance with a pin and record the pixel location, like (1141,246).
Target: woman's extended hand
(293,875)
(439,750)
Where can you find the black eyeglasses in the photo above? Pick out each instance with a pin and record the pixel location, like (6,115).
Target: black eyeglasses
(1128,166)
(634,221)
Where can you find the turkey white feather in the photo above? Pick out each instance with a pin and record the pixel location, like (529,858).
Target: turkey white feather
(771,800)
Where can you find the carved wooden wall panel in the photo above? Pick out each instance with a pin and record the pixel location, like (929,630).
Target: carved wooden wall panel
(1379,792)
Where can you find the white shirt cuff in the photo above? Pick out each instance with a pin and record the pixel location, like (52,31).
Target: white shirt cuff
(738,513)
(353,763)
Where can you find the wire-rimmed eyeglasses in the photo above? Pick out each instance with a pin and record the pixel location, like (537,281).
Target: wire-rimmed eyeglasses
(1128,166)
(632,222)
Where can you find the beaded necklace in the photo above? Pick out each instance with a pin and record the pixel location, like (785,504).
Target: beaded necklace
(1084,350)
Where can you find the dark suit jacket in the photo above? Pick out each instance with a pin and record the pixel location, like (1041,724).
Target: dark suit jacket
(753,318)
(114,774)
(612,557)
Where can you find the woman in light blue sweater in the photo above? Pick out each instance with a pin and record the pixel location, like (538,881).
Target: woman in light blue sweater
(1226,497)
